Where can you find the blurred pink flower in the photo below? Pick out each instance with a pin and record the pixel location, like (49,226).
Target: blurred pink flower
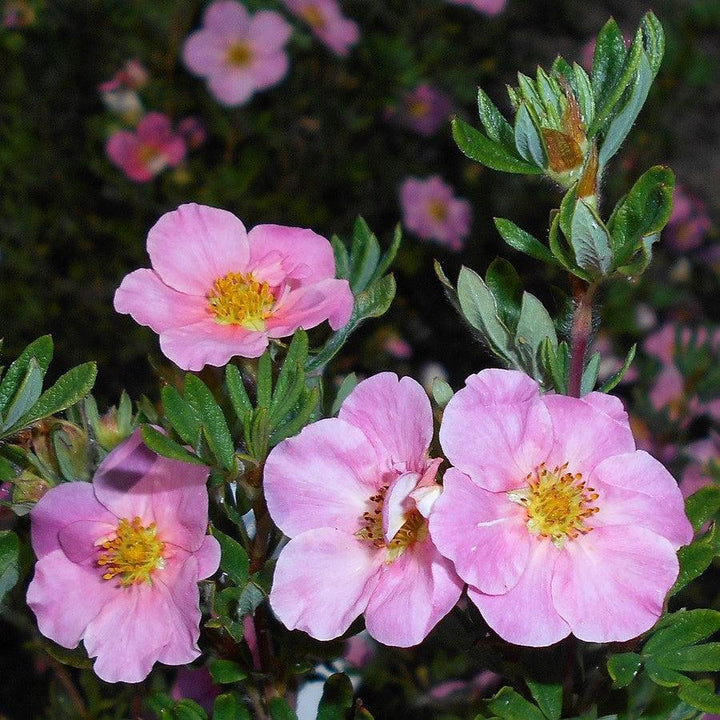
(396,345)
(133,76)
(424,109)
(431,210)
(238,53)
(17,14)
(194,131)
(688,224)
(326,20)
(217,291)
(147,152)
(553,518)
(489,7)
(353,494)
(697,474)
(195,684)
(119,560)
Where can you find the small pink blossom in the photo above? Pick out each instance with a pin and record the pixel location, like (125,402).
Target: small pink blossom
(489,7)
(195,684)
(194,131)
(431,210)
(17,14)
(216,290)
(119,560)
(132,76)
(425,109)
(353,494)
(326,20)
(689,223)
(703,454)
(238,53)
(553,518)
(147,152)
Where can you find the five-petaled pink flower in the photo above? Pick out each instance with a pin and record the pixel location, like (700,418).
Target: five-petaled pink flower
(238,53)
(553,518)
(145,153)
(119,560)
(489,7)
(216,291)
(327,22)
(423,109)
(353,494)
(431,210)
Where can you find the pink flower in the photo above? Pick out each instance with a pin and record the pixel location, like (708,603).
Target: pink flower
(431,210)
(703,454)
(132,76)
(424,110)
(688,224)
(489,7)
(144,154)
(196,684)
(216,291)
(238,53)
(119,560)
(194,131)
(553,518)
(353,494)
(327,22)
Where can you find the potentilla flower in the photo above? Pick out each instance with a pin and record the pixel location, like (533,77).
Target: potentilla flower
(553,518)
(425,109)
(689,223)
(216,291)
(353,493)
(327,22)
(238,53)
(489,7)
(431,210)
(119,560)
(148,151)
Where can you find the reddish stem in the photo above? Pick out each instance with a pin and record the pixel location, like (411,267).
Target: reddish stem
(580,331)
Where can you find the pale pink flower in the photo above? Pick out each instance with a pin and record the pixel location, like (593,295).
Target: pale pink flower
(431,210)
(216,290)
(326,20)
(703,454)
(120,95)
(147,152)
(424,109)
(353,494)
(553,518)
(238,53)
(133,76)
(119,560)
(688,224)
(489,7)
(194,131)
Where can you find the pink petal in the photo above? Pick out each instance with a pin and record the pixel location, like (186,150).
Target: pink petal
(65,597)
(323,477)
(496,429)
(232,86)
(210,343)
(153,126)
(151,302)
(526,615)
(395,416)
(120,146)
(610,585)
(269,69)
(208,557)
(204,53)
(193,246)
(269,30)
(587,430)
(413,593)
(227,14)
(483,533)
(636,490)
(61,506)
(398,503)
(322,582)
(78,540)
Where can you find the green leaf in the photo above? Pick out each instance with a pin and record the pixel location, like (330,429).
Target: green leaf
(184,418)
(609,62)
(188,710)
(161,444)
(556,362)
(26,395)
(387,259)
(663,676)
(618,376)
(442,392)
(700,696)
(264,380)
(234,560)
(505,285)
(654,40)
(623,668)
(702,505)
(364,256)
(584,94)
(548,696)
(337,698)
(528,140)
(696,558)
(590,240)
(40,349)
(238,395)
(510,705)
(483,150)
(228,707)
(291,380)
(342,258)
(534,325)
(226,671)
(307,406)
(697,658)
(523,241)
(498,129)
(9,557)
(562,251)
(280,710)
(590,375)
(681,629)
(346,387)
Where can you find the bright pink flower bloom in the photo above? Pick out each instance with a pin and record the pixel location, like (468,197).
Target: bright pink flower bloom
(119,560)
(327,22)
(424,109)
(216,291)
(553,518)
(145,153)
(238,53)
(489,7)
(431,210)
(353,493)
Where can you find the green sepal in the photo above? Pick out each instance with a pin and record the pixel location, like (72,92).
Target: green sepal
(612,382)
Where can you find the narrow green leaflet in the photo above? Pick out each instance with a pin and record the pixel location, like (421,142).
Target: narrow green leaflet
(507,289)
(700,695)
(498,129)
(234,560)
(26,395)
(228,707)
(337,698)
(184,418)
(40,349)
(364,256)
(696,558)
(534,326)
(238,395)
(226,671)
(548,696)
(523,241)
(389,256)
(590,240)
(618,376)
(623,668)
(702,505)
(442,392)
(9,556)
(163,445)
(510,705)
(528,140)
(590,375)
(346,387)
(607,68)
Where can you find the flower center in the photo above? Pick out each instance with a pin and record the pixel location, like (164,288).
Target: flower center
(438,210)
(414,529)
(133,554)
(239,54)
(313,17)
(418,109)
(239,299)
(557,503)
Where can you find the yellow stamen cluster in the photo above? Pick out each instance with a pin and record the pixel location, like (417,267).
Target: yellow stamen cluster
(133,554)
(414,529)
(240,54)
(313,17)
(558,503)
(438,210)
(239,299)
